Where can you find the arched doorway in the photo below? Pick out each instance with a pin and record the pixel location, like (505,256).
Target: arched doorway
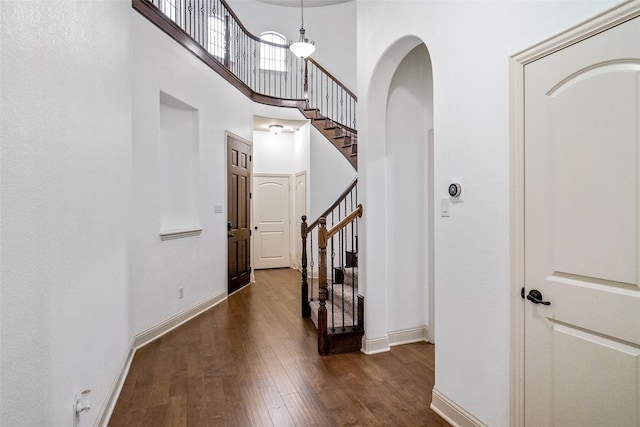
(409,160)
(397,183)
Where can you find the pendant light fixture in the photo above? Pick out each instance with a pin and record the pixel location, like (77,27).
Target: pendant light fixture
(303,47)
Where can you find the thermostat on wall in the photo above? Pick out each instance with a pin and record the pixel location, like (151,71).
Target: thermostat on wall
(455,190)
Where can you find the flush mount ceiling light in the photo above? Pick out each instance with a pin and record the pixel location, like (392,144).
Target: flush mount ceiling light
(303,47)
(276,129)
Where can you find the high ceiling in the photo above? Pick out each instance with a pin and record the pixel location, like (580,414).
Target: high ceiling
(307,3)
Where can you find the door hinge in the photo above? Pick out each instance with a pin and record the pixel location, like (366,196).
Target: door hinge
(250,157)
(522,293)
(250,195)
(250,233)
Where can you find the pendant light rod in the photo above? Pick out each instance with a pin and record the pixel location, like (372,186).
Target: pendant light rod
(303,48)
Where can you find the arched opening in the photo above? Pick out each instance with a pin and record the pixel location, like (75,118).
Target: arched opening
(409,186)
(397,184)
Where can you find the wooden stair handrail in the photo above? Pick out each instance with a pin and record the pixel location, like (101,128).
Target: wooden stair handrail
(346,220)
(324,70)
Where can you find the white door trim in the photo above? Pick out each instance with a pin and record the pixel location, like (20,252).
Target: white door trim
(294,222)
(517,63)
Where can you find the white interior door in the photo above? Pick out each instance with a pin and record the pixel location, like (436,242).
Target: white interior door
(271,209)
(582,193)
(300,209)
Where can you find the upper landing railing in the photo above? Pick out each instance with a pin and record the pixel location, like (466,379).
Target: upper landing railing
(266,72)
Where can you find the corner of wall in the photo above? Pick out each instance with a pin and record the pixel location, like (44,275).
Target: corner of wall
(453,413)
(375,345)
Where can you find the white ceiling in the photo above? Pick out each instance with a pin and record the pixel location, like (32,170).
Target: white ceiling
(307,3)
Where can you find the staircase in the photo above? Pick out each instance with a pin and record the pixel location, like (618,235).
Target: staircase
(330,292)
(344,320)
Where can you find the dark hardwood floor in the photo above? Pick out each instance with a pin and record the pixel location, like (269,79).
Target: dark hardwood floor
(252,361)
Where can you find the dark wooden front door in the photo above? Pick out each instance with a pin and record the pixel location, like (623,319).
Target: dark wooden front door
(238,220)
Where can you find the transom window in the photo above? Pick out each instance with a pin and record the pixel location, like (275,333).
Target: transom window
(273,57)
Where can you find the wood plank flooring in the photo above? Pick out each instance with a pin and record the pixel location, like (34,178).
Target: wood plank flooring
(252,361)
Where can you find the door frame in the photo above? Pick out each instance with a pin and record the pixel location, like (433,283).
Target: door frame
(227,134)
(295,229)
(602,22)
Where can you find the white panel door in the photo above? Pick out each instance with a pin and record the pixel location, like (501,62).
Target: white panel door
(271,208)
(582,137)
(300,209)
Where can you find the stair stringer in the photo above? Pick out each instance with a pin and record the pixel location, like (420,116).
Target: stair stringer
(344,139)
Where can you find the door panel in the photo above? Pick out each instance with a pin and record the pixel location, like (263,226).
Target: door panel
(238,218)
(582,115)
(271,201)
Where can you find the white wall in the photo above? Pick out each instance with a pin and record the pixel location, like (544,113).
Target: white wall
(409,118)
(469,43)
(274,154)
(331,174)
(197,263)
(65,134)
(331,27)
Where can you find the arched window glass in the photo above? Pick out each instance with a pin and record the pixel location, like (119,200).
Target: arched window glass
(216,30)
(273,57)
(170,8)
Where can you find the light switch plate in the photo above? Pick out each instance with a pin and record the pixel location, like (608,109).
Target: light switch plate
(445,206)
(217,208)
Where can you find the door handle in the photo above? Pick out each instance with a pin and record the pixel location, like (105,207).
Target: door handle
(229,235)
(536,297)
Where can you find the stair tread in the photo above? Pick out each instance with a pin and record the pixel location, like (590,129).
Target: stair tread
(337,315)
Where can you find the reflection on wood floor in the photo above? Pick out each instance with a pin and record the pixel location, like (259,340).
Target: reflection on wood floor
(252,361)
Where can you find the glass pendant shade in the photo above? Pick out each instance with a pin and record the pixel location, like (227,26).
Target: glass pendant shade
(302,49)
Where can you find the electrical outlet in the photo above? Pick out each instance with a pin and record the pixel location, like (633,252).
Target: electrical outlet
(180,292)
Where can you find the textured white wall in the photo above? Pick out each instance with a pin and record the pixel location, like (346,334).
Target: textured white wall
(331,27)
(409,118)
(274,154)
(469,43)
(331,174)
(196,263)
(65,133)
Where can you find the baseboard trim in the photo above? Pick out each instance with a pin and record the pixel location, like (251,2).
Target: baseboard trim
(116,387)
(453,413)
(408,336)
(155,332)
(375,345)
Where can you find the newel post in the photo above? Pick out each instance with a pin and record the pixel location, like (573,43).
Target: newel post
(322,287)
(306,309)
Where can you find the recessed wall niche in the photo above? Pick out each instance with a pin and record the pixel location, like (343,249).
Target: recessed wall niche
(178,157)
